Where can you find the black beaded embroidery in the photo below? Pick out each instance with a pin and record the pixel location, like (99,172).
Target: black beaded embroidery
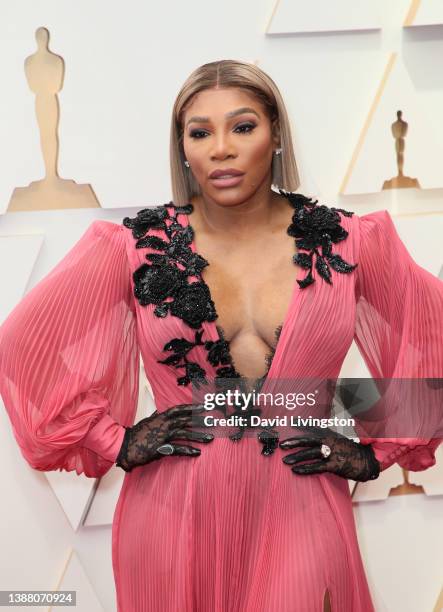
(316,226)
(164,281)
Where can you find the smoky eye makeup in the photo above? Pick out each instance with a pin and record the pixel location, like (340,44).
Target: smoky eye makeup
(245,127)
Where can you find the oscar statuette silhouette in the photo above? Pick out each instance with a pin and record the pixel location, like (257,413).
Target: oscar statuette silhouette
(399,130)
(44,71)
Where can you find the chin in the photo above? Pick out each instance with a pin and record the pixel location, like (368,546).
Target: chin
(231,196)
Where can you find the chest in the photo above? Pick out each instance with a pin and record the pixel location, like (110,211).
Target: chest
(251,285)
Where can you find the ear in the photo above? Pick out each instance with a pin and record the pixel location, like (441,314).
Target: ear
(275,129)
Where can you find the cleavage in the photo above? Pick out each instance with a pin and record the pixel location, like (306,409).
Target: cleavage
(251,300)
(268,358)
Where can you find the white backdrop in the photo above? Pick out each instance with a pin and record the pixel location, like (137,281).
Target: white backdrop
(124,66)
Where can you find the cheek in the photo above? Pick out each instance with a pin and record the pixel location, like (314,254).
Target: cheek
(199,168)
(196,156)
(261,154)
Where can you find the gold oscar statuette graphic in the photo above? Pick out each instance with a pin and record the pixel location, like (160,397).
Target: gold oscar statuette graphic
(44,71)
(406,488)
(399,130)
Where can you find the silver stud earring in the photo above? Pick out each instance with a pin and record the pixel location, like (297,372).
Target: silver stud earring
(278,151)
(187,163)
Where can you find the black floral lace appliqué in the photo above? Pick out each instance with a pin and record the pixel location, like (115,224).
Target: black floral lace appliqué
(313,227)
(164,280)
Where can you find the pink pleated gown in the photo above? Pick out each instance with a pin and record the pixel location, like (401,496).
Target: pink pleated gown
(230,530)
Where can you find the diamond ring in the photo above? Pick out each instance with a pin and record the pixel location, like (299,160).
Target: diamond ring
(325,450)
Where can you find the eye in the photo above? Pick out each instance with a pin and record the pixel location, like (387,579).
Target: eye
(194,134)
(248,127)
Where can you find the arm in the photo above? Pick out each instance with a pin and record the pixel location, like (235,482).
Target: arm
(399,332)
(69,358)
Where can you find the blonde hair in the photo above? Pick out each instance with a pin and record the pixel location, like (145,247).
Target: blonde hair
(222,74)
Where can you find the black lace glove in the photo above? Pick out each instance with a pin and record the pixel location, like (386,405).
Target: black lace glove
(142,441)
(346,458)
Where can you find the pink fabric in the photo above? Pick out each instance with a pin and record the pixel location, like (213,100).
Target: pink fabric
(399,332)
(69,357)
(230,530)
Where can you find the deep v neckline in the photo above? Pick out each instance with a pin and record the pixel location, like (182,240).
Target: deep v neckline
(174,258)
(215,331)
(164,281)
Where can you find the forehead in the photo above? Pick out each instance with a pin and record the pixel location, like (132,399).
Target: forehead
(213,102)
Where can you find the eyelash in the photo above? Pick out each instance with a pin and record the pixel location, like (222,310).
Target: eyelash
(244,125)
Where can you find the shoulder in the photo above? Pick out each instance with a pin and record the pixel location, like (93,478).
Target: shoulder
(376,228)
(110,235)
(310,215)
(151,216)
(380,246)
(376,221)
(101,227)
(156,219)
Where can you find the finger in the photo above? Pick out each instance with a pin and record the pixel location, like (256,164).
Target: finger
(186,434)
(191,451)
(187,421)
(179,420)
(311,468)
(300,441)
(184,410)
(199,421)
(303,455)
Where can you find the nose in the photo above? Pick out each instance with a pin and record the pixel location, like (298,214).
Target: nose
(222,146)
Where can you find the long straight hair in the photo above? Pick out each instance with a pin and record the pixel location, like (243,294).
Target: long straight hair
(241,75)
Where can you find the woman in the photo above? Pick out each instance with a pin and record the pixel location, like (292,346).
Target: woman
(236,524)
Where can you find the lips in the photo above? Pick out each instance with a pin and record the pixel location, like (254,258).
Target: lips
(226,173)
(228,181)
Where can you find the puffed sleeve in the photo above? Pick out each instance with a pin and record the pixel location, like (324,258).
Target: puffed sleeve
(399,333)
(69,358)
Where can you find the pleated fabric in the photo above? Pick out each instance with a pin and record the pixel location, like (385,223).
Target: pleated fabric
(230,530)
(69,358)
(399,332)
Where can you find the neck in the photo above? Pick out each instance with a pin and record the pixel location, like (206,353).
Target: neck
(263,211)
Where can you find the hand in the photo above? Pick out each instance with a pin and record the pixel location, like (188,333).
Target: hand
(142,441)
(347,458)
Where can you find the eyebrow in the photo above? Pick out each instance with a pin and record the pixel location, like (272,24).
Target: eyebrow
(234,113)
